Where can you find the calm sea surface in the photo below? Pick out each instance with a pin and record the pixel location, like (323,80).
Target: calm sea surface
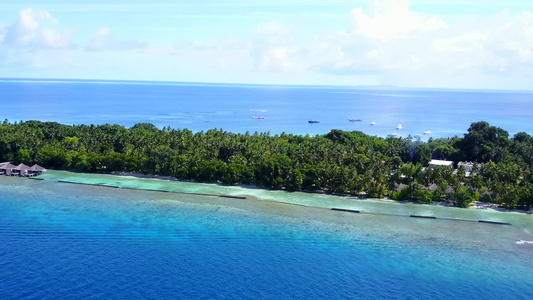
(285,108)
(67,241)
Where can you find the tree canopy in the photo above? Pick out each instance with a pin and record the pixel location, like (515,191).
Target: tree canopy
(337,162)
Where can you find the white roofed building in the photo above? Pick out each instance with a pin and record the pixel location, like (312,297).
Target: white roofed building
(436,162)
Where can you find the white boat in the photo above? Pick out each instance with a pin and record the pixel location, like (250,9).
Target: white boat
(399,126)
(354,120)
(372,123)
(427,132)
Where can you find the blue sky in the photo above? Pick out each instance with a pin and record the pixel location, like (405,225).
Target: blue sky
(480,44)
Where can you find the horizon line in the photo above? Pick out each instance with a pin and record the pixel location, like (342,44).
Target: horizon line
(170,82)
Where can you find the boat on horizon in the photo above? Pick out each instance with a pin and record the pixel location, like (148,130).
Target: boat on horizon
(372,123)
(427,132)
(354,120)
(313,121)
(258,117)
(399,126)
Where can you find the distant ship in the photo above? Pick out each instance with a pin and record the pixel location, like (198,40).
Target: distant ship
(258,117)
(372,123)
(427,132)
(399,126)
(354,120)
(313,121)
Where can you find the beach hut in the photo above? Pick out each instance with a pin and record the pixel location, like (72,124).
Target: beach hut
(449,190)
(36,170)
(431,187)
(487,192)
(21,170)
(399,187)
(6,168)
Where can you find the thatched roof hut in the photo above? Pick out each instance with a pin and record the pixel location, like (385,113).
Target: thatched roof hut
(36,169)
(449,190)
(21,167)
(431,187)
(487,192)
(399,187)
(7,166)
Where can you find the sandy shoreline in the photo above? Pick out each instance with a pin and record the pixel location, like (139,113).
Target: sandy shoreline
(493,206)
(144,176)
(476,205)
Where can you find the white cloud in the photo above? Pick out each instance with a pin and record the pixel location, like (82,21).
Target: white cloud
(379,40)
(101,40)
(273,48)
(36,29)
(22,60)
(401,46)
(104,39)
(387,40)
(51,38)
(2,32)
(468,42)
(390,19)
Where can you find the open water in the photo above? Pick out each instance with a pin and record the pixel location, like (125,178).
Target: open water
(68,241)
(197,107)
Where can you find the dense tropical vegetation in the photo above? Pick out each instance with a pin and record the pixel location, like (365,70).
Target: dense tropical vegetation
(337,162)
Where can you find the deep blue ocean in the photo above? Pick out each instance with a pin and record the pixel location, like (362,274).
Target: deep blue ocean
(66,241)
(199,107)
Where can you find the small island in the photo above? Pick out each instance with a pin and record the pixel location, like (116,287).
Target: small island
(484,165)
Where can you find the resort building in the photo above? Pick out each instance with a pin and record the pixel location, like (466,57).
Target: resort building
(399,187)
(36,170)
(467,165)
(432,187)
(435,162)
(6,168)
(21,170)
(449,190)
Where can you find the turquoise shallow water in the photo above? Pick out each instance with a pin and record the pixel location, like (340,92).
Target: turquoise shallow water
(71,241)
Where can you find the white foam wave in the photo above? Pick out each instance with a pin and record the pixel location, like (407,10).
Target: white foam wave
(523,242)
